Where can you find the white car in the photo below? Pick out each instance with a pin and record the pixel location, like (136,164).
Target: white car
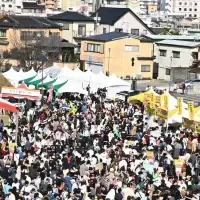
(189,83)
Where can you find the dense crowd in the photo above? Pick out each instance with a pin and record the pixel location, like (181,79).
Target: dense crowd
(96,150)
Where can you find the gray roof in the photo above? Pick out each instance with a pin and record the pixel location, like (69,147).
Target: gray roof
(71,16)
(106,37)
(110,16)
(179,43)
(175,37)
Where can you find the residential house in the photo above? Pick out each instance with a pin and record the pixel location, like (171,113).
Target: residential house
(119,19)
(174,58)
(124,54)
(17,31)
(71,5)
(74,25)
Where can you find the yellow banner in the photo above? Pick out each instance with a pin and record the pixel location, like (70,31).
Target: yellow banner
(180,105)
(162,113)
(146,98)
(191,110)
(191,124)
(166,102)
(152,101)
(157,100)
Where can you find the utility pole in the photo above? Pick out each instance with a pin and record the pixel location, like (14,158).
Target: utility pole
(170,73)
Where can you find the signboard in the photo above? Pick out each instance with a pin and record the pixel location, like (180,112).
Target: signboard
(191,124)
(21,93)
(157,99)
(162,113)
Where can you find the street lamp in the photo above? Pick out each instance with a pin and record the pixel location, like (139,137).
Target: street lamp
(43,59)
(170,72)
(109,61)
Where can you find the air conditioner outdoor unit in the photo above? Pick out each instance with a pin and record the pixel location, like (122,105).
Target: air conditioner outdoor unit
(121,77)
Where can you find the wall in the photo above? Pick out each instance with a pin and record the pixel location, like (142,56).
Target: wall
(73,30)
(119,62)
(13,37)
(127,22)
(184,61)
(69,65)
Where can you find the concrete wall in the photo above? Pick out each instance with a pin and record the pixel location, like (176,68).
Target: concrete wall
(165,62)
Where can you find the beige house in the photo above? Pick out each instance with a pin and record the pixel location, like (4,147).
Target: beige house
(74,26)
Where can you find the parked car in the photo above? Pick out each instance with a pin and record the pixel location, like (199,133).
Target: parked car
(189,83)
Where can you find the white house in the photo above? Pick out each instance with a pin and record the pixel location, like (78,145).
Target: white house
(119,19)
(175,54)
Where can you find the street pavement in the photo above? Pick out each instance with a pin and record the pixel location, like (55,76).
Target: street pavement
(160,84)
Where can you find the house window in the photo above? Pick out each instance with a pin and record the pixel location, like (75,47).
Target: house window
(93,48)
(190,15)
(135,31)
(65,26)
(168,72)
(179,9)
(163,53)
(82,29)
(104,30)
(180,3)
(185,9)
(195,4)
(2,33)
(54,33)
(195,15)
(176,54)
(3,5)
(185,3)
(31,35)
(195,9)
(190,9)
(131,48)
(145,68)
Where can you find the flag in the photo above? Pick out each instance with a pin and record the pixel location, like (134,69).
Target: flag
(191,110)
(166,102)
(73,108)
(180,105)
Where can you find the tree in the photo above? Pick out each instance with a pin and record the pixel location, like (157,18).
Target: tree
(169,31)
(28,50)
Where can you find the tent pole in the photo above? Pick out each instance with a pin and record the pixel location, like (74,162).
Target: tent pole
(17,126)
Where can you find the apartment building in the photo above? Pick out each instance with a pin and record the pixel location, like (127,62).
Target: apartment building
(11,6)
(137,6)
(189,8)
(71,5)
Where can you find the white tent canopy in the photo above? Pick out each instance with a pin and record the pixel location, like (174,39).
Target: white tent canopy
(72,86)
(114,80)
(38,77)
(29,74)
(48,79)
(11,74)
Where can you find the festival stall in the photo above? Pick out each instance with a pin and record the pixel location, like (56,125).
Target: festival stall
(21,92)
(37,79)
(8,106)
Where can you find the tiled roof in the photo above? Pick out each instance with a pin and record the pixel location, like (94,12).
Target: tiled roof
(114,36)
(29,5)
(31,22)
(71,16)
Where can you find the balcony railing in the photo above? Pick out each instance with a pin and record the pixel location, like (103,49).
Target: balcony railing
(79,34)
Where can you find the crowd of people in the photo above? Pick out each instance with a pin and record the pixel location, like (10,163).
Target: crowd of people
(96,150)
